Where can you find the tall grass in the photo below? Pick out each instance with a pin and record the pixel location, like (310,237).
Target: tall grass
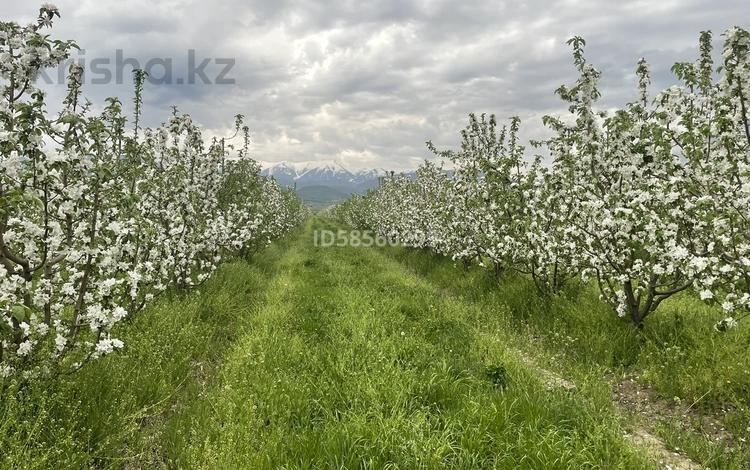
(117,409)
(356,363)
(677,353)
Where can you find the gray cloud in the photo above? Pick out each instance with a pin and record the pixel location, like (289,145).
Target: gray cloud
(368,82)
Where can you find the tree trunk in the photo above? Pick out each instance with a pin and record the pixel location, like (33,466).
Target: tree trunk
(498,270)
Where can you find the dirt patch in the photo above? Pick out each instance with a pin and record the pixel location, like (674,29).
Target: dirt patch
(658,449)
(645,402)
(628,398)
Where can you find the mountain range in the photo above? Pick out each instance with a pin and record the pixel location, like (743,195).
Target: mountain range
(323,182)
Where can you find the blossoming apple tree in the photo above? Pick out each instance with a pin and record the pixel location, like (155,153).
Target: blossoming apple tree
(95,221)
(649,200)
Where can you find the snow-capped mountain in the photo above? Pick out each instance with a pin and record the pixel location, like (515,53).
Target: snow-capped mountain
(327,173)
(283,172)
(322,183)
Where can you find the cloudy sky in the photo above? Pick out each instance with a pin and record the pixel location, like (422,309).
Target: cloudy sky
(366,83)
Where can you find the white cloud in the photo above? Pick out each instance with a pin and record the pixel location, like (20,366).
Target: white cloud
(366,83)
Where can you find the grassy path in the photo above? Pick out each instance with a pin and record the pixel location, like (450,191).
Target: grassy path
(355,362)
(350,358)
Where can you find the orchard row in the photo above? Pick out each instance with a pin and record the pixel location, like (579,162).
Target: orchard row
(97,220)
(648,201)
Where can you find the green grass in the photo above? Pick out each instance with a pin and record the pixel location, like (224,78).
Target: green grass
(678,354)
(357,363)
(118,409)
(361,358)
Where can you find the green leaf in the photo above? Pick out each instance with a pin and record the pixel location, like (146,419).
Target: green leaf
(69,119)
(19,312)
